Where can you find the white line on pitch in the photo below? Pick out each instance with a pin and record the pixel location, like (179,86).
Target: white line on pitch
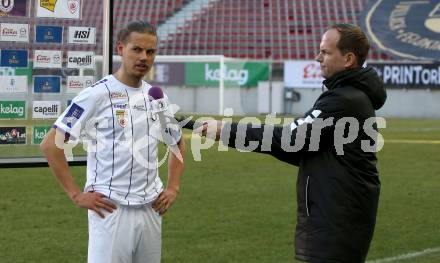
(407,256)
(413,141)
(411,129)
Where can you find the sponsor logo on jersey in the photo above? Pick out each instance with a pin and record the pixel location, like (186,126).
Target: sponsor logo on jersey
(14,32)
(45,109)
(120,106)
(14,58)
(139,107)
(13,84)
(47,84)
(117,95)
(13,135)
(72,115)
(80,59)
(12,109)
(122,118)
(47,59)
(82,35)
(49,34)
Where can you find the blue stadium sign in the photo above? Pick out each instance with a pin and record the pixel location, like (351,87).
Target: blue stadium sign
(403,75)
(408,29)
(14,58)
(49,34)
(47,84)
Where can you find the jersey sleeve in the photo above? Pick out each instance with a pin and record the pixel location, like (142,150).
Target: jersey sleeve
(282,139)
(76,115)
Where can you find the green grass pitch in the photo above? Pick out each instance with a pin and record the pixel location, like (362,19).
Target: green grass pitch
(234,207)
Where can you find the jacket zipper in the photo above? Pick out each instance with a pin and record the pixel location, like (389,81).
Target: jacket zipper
(307,197)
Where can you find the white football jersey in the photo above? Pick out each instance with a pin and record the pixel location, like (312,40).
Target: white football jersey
(115,121)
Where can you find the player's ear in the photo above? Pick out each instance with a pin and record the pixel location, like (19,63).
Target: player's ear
(119,47)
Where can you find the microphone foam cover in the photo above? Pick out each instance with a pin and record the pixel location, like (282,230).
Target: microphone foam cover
(155,93)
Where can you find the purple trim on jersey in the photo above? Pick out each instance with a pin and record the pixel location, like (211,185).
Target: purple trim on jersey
(96,153)
(99,82)
(66,134)
(113,149)
(148,140)
(148,154)
(132,143)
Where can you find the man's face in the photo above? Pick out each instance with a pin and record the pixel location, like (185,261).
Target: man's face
(330,57)
(138,54)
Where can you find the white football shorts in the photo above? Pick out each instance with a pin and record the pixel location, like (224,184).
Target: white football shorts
(131,234)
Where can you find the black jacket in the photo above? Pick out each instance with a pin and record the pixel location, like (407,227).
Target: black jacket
(337,193)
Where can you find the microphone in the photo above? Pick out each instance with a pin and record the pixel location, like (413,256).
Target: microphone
(158,107)
(160,104)
(157,100)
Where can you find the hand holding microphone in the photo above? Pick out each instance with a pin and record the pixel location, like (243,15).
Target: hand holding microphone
(168,126)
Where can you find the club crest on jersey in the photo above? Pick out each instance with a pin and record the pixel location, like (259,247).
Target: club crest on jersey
(121,116)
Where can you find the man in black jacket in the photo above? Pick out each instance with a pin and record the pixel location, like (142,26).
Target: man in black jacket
(338,183)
